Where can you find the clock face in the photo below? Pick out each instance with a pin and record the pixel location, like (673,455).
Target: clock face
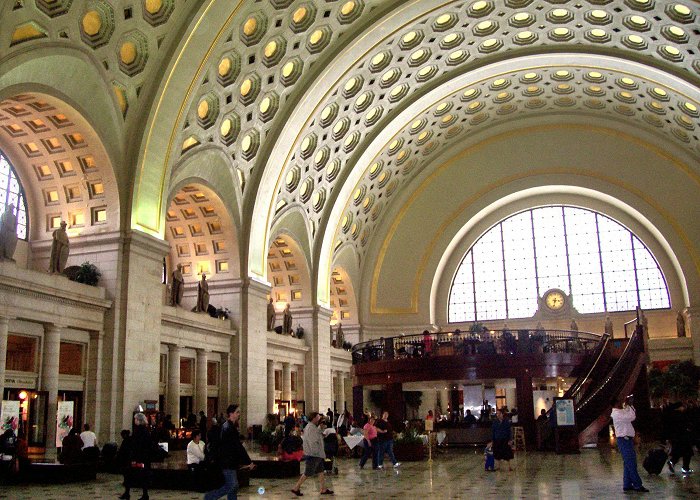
(554,300)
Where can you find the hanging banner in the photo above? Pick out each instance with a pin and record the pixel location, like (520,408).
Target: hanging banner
(9,416)
(64,421)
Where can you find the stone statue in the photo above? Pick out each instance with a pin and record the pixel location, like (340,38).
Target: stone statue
(8,232)
(339,336)
(271,315)
(177,286)
(608,326)
(574,326)
(202,295)
(287,321)
(59,250)
(680,324)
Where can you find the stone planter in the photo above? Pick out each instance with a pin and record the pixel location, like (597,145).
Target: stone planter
(409,452)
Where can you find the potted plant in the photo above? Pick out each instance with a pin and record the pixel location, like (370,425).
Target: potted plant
(408,446)
(86,273)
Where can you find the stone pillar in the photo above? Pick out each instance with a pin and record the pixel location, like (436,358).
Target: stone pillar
(49,379)
(252,353)
(692,327)
(200,394)
(93,392)
(444,400)
(358,403)
(316,323)
(287,382)
(139,323)
(4,328)
(526,407)
(225,396)
(340,399)
(394,403)
(300,394)
(174,383)
(270,386)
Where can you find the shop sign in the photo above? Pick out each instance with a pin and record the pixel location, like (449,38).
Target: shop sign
(20,382)
(64,421)
(9,416)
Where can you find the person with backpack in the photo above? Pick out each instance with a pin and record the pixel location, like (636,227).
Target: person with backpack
(230,455)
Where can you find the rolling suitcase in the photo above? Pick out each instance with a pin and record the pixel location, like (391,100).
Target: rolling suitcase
(655,460)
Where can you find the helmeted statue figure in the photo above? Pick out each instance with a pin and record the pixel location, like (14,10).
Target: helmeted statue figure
(608,326)
(287,320)
(271,315)
(177,286)
(8,232)
(202,295)
(680,324)
(60,249)
(339,336)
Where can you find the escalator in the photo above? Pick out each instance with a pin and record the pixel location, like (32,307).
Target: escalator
(604,384)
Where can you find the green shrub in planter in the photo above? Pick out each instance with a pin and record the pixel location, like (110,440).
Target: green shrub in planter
(88,274)
(408,446)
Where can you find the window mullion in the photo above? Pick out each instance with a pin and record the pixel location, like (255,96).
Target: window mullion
(600,261)
(634,264)
(473,282)
(566,248)
(505,280)
(534,253)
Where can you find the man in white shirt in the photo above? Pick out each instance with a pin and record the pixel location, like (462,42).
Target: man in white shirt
(195,450)
(623,415)
(89,438)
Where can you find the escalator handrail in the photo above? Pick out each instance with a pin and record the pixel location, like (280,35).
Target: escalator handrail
(573,391)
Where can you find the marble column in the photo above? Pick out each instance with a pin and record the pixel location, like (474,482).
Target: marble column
(93,392)
(200,394)
(4,327)
(340,399)
(174,383)
(526,406)
(270,386)
(357,403)
(316,323)
(49,379)
(225,396)
(444,400)
(286,382)
(252,353)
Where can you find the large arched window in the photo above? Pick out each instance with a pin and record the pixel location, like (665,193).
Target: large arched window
(11,192)
(598,261)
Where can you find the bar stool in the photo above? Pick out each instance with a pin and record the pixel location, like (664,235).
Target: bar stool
(519,438)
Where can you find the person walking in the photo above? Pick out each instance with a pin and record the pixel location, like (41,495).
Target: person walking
(502,438)
(385,441)
(623,415)
(369,431)
(139,469)
(315,455)
(680,437)
(231,455)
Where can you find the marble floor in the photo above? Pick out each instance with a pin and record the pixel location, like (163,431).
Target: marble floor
(455,473)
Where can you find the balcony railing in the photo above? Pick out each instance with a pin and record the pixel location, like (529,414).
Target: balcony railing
(475,344)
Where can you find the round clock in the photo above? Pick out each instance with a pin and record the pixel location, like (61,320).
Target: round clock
(554,299)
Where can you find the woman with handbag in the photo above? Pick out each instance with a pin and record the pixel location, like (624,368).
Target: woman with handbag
(139,470)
